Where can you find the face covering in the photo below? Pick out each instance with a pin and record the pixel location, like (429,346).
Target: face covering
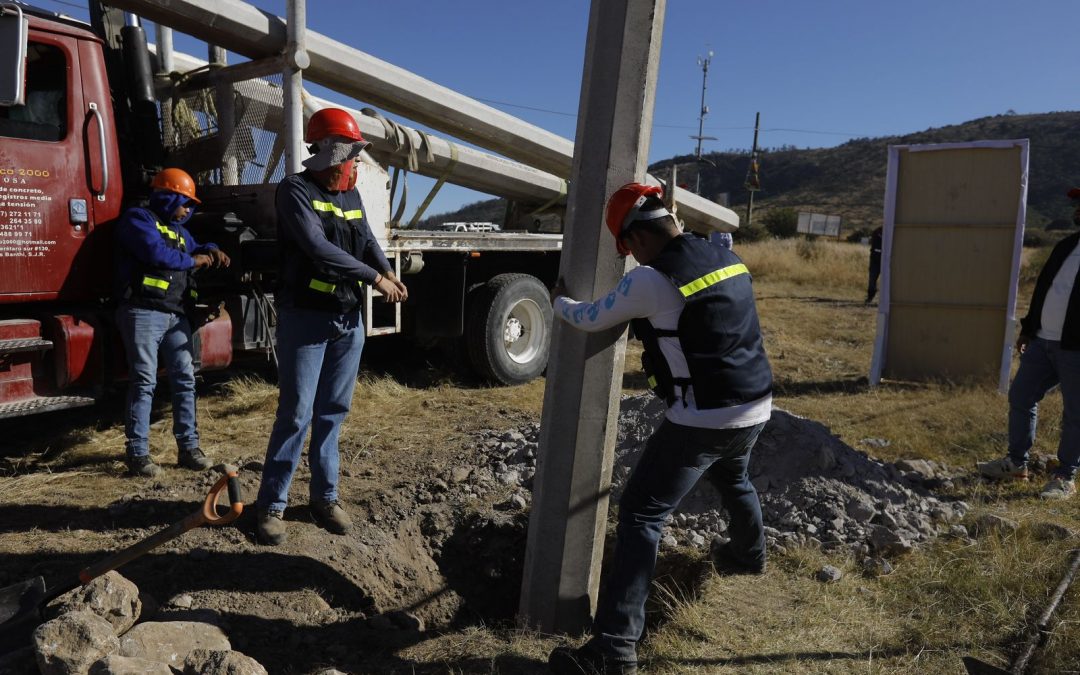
(338,178)
(164,204)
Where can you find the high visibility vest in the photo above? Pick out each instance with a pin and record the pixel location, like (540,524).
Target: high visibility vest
(162,289)
(718,330)
(342,219)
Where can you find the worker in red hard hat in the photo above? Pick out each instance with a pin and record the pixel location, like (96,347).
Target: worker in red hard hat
(1049,348)
(692,306)
(328,257)
(156,291)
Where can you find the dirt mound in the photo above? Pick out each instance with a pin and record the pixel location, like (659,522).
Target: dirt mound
(814,488)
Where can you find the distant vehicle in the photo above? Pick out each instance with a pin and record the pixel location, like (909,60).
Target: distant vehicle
(466,227)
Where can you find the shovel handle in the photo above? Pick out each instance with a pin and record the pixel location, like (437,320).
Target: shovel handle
(206,515)
(231,483)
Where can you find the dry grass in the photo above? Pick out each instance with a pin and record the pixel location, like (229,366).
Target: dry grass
(943,602)
(803,262)
(25,487)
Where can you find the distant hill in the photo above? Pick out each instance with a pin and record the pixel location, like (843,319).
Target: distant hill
(849,179)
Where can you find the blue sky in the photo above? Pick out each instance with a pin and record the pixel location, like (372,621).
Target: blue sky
(819,71)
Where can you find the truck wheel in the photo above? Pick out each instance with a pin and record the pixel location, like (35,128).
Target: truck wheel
(508,331)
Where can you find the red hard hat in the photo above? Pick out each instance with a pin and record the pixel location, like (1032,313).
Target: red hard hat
(624,206)
(175,180)
(332,122)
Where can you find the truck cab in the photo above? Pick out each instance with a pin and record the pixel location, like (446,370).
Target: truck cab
(84,124)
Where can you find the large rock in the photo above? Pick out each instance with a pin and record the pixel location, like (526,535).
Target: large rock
(171,642)
(887,542)
(110,596)
(71,642)
(114,664)
(215,662)
(990,522)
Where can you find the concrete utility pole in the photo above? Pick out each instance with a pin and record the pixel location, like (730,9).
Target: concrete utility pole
(581,401)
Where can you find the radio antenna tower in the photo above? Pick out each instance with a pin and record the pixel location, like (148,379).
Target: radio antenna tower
(704,62)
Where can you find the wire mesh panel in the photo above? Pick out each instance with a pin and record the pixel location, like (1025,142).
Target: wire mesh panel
(227,133)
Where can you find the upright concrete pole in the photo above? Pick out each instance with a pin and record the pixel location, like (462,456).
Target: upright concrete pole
(296,59)
(581,401)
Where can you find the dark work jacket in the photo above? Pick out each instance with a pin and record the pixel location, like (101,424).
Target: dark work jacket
(154,263)
(327,250)
(718,329)
(1030,324)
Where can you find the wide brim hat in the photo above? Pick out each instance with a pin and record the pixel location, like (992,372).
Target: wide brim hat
(333,151)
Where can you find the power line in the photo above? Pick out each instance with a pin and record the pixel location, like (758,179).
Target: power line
(669,126)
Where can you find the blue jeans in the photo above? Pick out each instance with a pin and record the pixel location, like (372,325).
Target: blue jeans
(674,459)
(318,359)
(145,333)
(1044,365)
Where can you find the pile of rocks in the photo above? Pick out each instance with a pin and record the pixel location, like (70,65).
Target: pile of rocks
(96,630)
(814,488)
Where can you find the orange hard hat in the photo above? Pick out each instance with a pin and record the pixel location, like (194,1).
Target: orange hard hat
(624,207)
(175,180)
(332,122)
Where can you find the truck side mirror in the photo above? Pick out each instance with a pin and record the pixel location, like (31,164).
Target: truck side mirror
(13,36)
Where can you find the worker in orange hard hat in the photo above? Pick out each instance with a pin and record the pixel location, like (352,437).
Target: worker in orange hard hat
(156,290)
(692,306)
(328,259)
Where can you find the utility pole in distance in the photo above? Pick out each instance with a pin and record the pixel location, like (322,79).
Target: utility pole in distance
(753,180)
(704,62)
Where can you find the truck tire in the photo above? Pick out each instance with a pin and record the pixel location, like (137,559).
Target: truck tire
(508,329)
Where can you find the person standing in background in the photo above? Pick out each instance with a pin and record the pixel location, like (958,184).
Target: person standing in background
(875,265)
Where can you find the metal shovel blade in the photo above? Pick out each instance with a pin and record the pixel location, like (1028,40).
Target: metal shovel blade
(20,612)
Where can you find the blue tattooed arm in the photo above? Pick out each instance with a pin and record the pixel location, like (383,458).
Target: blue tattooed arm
(632,298)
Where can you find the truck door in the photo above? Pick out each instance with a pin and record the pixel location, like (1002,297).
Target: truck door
(54,180)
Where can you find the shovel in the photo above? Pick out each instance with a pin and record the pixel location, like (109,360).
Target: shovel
(976,667)
(21,604)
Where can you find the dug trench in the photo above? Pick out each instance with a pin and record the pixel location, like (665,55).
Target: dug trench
(439,537)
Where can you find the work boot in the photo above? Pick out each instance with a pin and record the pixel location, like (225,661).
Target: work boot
(587,660)
(193,459)
(725,561)
(1059,487)
(1003,469)
(331,516)
(271,527)
(142,465)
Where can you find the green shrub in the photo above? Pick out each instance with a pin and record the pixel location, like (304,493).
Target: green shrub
(781,223)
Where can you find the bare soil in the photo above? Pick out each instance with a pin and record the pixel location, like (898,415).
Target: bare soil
(428,551)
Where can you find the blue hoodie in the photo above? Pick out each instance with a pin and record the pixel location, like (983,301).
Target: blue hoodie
(139,241)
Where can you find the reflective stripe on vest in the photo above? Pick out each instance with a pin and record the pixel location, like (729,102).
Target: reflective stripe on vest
(321,286)
(155,282)
(701,283)
(332,208)
(171,234)
(324,287)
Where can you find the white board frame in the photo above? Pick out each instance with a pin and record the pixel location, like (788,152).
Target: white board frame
(877,363)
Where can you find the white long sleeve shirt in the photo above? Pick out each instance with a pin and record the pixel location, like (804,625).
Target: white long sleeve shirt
(646,293)
(1052,321)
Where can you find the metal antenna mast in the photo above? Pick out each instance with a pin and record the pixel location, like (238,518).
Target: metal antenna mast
(704,62)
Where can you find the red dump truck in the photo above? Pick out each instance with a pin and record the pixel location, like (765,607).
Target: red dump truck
(87,117)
